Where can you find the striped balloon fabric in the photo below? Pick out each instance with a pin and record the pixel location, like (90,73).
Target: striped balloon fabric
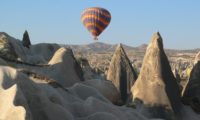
(95,19)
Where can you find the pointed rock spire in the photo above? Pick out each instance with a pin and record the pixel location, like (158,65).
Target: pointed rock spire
(64,63)
(121,72)
(26,40)
(156,88)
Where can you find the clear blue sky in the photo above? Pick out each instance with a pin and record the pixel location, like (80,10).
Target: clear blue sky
(133,21)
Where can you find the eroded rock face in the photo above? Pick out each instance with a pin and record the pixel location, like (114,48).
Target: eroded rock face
(10,111)
(64,62)
(197,58)
(6,48)
(30,100)
(24,99)
(44,50)
(191,93)
(88,72)
(121,72)
(156,91)
(29,92)
(13,49)
(106,88)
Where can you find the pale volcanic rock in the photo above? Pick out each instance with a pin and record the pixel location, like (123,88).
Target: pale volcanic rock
(31,100)
(197,58)
(156,88)
(6,48)
(9,111)
(64,63)
(56,91)
(106,88)
(45,50)
(23,99)
(121,73)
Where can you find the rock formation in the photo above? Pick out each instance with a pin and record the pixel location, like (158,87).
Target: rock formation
(106,88)
(64,62)
(121,72)
(156,91)
(44,50)
(10,111)
(87,70)
(178,78)
(24,99)
(197,58)
(191,93)
(55,91)
(13,49)
(7,50)
(26,40)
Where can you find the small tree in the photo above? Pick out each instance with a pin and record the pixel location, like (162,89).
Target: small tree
(26,40)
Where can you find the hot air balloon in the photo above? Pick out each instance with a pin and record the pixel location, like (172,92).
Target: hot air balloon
(95,19)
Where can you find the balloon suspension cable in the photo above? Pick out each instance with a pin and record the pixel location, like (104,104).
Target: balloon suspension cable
(95,38)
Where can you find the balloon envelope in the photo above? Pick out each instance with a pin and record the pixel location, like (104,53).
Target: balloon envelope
(95,19)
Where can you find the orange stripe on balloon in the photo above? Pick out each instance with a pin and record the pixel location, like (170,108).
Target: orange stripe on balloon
(94,17)
(95,25)
(94,32)
(107,14)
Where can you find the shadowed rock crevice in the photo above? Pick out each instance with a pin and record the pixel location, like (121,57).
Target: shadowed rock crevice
(191,93)
(42,79)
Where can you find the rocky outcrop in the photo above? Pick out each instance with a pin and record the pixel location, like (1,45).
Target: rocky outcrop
(106,88)
(3,62)
(26,40)
(121,73)
(197,58)
(44,50)
(32,101)
(177,76)
(12,49)
(23,99)
(56,92)
(191,93)
(9,111)
(88,72)
(64,63)
(156,92)
(6,48)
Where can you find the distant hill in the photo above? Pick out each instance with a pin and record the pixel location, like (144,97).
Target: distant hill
(98,47)
(104,47)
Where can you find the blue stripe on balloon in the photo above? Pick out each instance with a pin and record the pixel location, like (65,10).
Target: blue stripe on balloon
(105,11)
(92,20)
(94,28)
